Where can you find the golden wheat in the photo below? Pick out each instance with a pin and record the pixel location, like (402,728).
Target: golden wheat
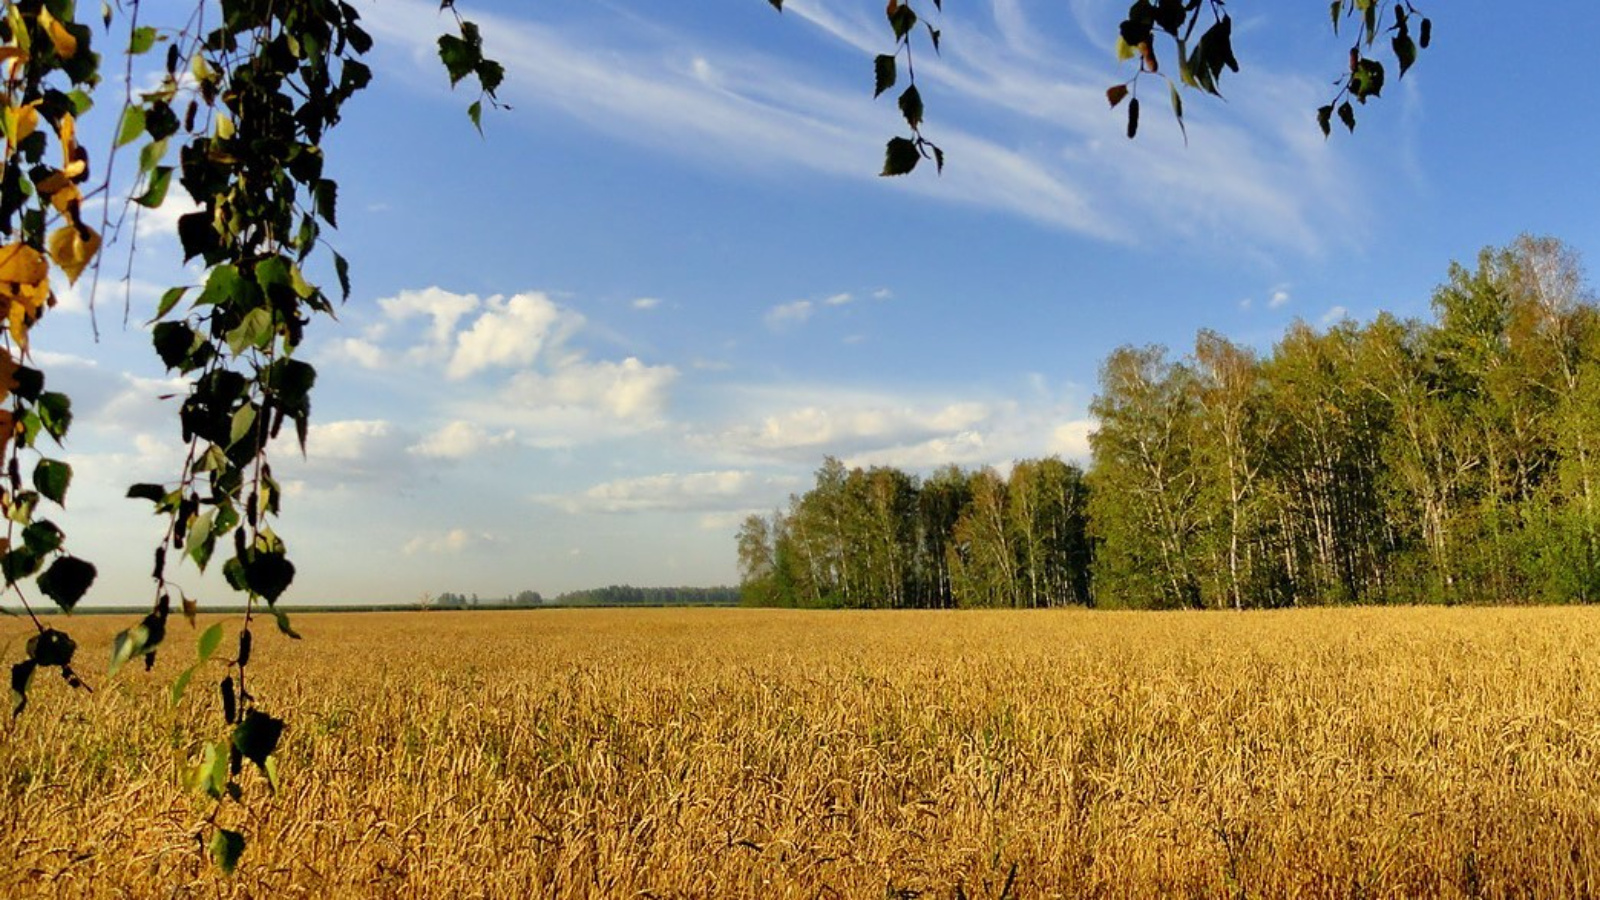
(702,753)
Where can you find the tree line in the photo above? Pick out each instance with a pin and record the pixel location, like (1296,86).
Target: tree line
(1455,460)
(611,595)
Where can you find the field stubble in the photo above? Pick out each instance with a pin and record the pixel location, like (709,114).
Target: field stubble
(697,753)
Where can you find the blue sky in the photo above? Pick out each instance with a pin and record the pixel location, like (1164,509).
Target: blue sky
(668,281)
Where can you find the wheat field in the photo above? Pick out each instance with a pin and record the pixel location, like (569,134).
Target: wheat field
(745,753)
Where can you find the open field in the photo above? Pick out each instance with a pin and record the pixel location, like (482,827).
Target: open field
(1339,753)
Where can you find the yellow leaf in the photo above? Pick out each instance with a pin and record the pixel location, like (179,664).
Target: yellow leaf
(66,44)
(73,162)
(21,265)
(8,374)
(64,198)
(21,122)
(73,248)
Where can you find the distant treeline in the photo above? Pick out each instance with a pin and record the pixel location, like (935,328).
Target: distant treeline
(1456,460)
(628,595)
(615,595)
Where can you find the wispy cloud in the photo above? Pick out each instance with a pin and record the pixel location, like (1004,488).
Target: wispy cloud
(1022,118)
(723,490)
(787,315)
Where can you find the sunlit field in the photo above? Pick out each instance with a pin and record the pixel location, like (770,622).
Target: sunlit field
(700,753)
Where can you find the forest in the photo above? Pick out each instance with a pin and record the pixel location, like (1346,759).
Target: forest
(1455,460)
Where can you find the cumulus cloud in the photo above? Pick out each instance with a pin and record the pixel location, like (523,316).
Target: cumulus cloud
(1279,299)
(351,439)
(629,390)
(1071,440)
(459,440)
(510,333)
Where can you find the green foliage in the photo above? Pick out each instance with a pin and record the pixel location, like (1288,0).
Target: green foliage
(883,538)
(1450,461)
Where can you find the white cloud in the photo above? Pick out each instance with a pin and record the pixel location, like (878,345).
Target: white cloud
(1279,299)
(646,303)
(162,222)
(720,491)
(629,390)
(787,315)
(348,440)
(882,294)
(1334,314)
(460,439)
(452,542)
(1024,124)
(510,333)
(442,308)
(838,300)
(847,423)
(1071,440)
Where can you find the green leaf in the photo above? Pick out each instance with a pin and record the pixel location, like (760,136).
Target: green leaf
(1367,79)
(459,57)
(226,848)
(55,413)
(268,575)
(475,114)
(52,648)
(132,125)
(1133,117)
(151,154)
(18,563)
(155,493)
(1177,109)
(256,736)
(1425,35)
(253,332)
(142,39)
(776,4)
(210,640)
(224,284)
(911,106)
(180,684)
(1404,51)
(341,268)
(902,18)
(169,300)
(155,192)
(283,624)
(1336,7)
(1325,119)
(67,580)
(137,641)
(174,341)
(51,477)
(21,677)
(43,537)
(327,200)
(201,541)
(883,72)
(900,157)
(1347,115)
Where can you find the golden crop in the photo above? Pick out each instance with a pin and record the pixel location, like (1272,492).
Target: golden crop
(742,753)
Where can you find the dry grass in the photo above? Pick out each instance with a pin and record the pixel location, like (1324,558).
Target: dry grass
(1339,753)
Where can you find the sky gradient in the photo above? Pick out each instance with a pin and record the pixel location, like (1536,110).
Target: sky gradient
(667,281)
